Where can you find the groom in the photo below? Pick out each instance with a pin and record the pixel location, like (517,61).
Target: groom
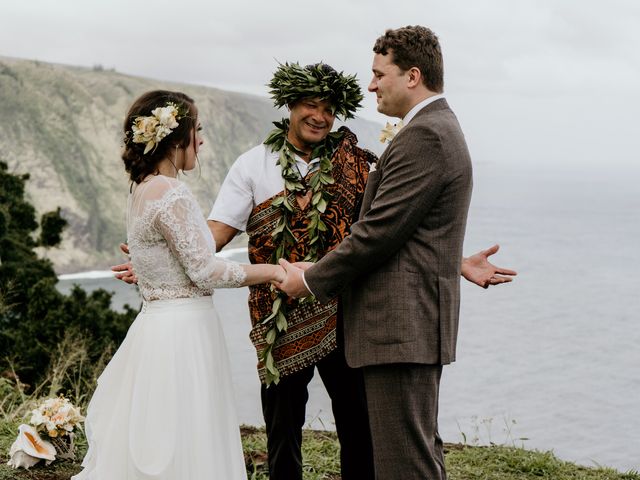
(398,271)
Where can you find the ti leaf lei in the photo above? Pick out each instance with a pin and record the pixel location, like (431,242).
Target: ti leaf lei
(283,236)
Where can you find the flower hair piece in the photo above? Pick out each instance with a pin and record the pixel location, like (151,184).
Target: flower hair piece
(153,128)
(291,83)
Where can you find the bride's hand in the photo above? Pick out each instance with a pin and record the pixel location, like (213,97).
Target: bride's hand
(293,284)
(279,275)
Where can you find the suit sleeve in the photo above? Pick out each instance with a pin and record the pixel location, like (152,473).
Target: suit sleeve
(412,178)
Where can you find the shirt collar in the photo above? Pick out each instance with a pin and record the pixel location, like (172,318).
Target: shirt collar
(298,158)
(303,167)
(412,113)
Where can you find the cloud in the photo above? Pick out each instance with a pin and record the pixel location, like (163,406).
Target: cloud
(542,47)
(516,58)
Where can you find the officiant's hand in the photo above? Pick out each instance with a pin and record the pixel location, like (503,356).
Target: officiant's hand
(124,271)
(477,269)
(293,285)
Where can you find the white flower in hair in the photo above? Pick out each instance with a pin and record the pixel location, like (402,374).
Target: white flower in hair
(152,129)
(166,115)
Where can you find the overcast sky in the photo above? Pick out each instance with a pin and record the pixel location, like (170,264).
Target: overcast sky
(546,80)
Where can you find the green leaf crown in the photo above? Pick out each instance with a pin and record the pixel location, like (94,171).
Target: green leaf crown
(291,83)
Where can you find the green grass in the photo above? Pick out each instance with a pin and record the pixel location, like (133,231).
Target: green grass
(320,450)
(513,463)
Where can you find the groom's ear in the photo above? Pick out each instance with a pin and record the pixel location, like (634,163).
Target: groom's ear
(414,77)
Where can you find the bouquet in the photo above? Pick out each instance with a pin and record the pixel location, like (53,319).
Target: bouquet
(55,419)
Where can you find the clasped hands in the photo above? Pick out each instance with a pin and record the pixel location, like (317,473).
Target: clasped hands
(292,283)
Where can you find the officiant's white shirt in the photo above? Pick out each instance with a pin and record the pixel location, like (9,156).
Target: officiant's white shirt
(252,179)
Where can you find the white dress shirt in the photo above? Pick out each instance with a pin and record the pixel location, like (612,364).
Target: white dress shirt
(416,108)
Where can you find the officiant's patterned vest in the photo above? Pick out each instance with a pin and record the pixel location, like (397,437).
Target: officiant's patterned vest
(311,331)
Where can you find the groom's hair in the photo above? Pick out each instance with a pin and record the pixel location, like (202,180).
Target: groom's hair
(415,46)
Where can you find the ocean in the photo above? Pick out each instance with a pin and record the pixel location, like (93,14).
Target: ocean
(550,361)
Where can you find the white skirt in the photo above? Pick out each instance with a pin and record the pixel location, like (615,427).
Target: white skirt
(164,407)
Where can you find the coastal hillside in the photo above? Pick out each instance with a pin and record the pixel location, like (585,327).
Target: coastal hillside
(62,124)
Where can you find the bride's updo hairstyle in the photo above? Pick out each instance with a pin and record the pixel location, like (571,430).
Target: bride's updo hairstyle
(148,136)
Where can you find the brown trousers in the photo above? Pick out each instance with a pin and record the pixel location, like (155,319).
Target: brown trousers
(402,401)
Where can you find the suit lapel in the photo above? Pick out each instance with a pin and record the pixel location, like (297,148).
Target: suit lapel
(375,176)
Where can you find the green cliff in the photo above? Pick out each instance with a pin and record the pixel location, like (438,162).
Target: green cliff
(62,125)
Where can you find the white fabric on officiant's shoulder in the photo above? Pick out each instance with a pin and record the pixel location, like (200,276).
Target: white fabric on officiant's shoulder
(253,178)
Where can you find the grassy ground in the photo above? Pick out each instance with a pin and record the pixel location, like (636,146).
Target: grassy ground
(321,461)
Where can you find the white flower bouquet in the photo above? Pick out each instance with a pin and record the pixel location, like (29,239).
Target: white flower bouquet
(55,419)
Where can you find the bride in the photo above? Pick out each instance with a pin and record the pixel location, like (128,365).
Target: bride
(164,405)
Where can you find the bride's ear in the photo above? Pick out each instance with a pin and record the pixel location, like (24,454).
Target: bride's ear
(196,139)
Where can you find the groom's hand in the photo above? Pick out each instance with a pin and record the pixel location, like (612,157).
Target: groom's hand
(293,285)
(124,271)
(477,269)
(303,265)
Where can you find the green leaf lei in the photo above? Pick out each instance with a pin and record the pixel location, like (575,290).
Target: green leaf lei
(283,236)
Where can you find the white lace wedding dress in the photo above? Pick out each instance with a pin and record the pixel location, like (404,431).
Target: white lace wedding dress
(164,407)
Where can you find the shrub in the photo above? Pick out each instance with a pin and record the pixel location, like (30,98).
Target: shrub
(35,319)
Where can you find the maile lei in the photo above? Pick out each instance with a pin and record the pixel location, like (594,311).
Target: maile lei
(283,237)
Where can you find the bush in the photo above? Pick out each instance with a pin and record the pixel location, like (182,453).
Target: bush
(35,319)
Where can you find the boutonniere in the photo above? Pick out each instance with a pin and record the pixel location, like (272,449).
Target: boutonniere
(390,131)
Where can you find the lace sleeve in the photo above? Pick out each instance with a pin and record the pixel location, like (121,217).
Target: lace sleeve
(182,224)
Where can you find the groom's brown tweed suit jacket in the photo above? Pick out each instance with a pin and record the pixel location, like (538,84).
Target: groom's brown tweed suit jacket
(399,270)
